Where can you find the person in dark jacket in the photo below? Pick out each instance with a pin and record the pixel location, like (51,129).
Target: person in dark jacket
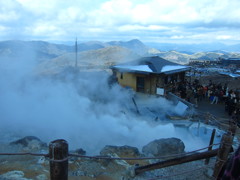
(231,169)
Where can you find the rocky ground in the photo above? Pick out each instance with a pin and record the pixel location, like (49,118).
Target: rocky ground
(37,167)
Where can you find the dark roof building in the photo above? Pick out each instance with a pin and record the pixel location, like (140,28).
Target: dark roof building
(151,65)
(151,75)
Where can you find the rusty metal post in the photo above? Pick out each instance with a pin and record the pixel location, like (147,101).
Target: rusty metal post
(224,149)
(58,154)
(210,144)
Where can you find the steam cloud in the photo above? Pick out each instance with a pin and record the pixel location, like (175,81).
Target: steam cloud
(79,107)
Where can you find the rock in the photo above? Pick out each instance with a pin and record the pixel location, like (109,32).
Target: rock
(164,147)
(121,151)
(41,177)
(80,152)
(88,168)
(30,142)
(13,175)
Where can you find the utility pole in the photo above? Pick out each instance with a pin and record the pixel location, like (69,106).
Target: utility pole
(76,53)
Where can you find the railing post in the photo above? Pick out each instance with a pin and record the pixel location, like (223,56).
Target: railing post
(222,156)
(58,154)
(210,144)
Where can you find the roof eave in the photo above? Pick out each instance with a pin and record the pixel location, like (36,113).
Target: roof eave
(177,70)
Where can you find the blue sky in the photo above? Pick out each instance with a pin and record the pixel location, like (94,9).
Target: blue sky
(177,21)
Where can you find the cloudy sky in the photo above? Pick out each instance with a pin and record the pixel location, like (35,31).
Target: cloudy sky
(179,21)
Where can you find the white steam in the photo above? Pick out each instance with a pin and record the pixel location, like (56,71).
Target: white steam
(79,107)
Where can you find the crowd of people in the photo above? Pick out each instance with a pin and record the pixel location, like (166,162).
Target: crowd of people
(215,93)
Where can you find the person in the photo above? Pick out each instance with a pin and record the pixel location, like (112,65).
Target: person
(215,97)
(236,117)
(189,94)
(195,95)
(230,170)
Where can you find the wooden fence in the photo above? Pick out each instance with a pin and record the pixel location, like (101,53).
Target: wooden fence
(58,157)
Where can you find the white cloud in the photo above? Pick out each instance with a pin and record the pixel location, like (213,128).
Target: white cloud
(39,7)
(3,29)
(70,15)
(177,37)
(223,37)
(121,19)
(141,27)
(8,16)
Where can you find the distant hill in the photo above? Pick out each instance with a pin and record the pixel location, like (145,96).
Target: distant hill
(92,45)
(135,45)
(193,48)
(183,58)
(45,50)
(95,53)
(175,56)
(34,49)
(100,58)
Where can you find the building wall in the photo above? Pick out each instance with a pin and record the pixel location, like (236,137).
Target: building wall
(130,80)
(127,80)
(152,81)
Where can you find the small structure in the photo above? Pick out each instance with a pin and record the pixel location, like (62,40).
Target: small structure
(151,75)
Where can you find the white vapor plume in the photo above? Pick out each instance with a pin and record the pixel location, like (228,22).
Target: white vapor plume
(79,107)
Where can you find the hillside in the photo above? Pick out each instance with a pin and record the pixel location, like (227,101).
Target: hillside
(134,45)
(40,50)
(100,58)
(175,56)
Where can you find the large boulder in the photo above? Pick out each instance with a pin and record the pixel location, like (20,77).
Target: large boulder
(164,147)
(121,151)
(30,143)
(11,175)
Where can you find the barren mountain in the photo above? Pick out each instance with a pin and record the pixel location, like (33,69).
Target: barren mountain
(134,45)
(39,50)
(95,53)
(100,58)
(175,56)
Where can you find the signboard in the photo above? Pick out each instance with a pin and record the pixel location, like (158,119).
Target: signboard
(160,91)
(181,108)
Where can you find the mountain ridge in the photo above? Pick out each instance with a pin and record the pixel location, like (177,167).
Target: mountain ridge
(100,53)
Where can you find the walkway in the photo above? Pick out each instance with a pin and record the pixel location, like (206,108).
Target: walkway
(218,110)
